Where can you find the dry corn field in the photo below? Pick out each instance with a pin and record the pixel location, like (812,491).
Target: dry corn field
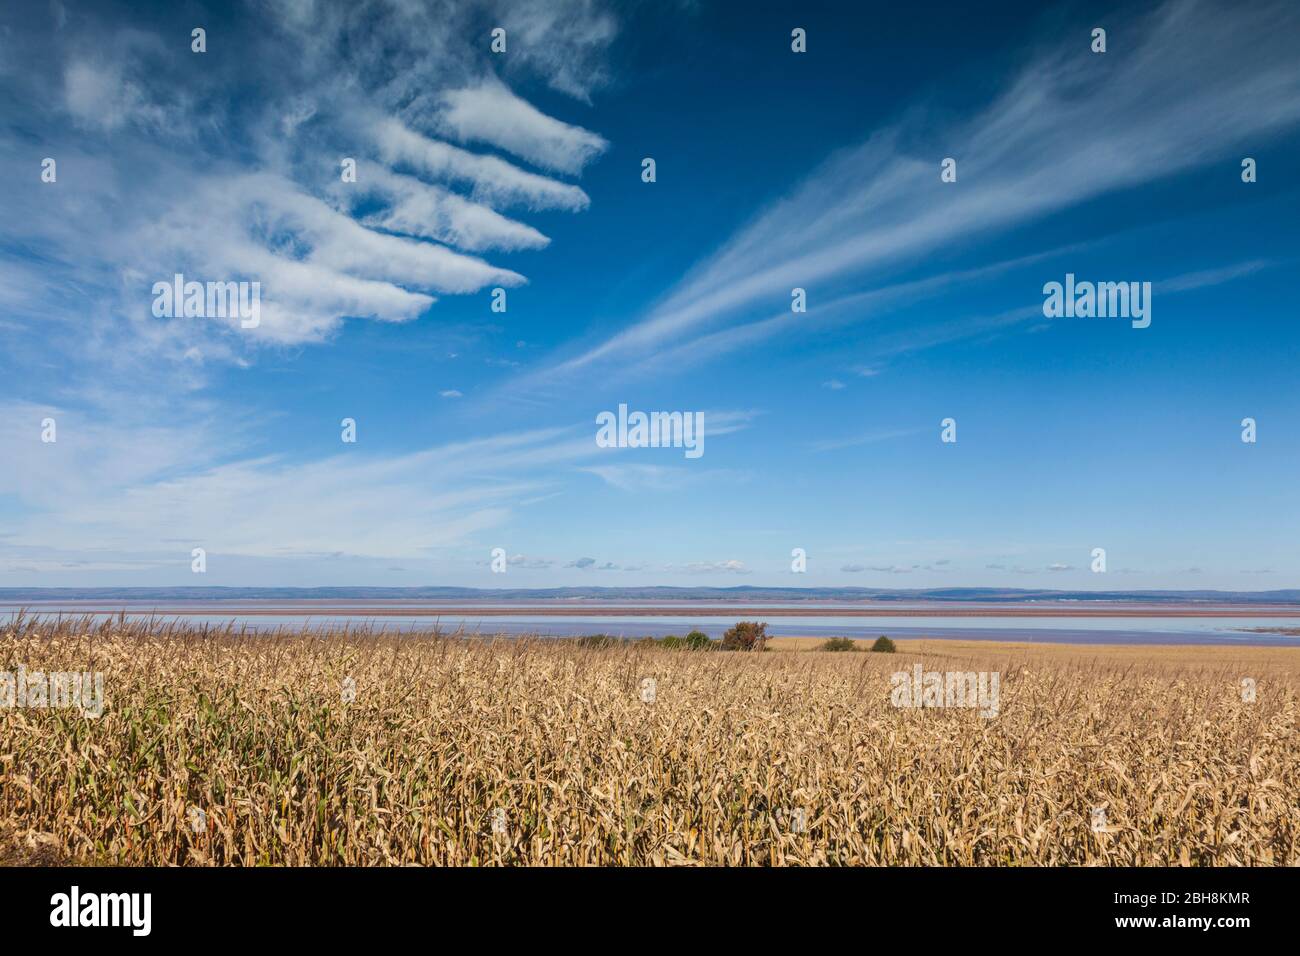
(220,749)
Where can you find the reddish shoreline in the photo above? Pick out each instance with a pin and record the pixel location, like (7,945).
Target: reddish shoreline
(736,611)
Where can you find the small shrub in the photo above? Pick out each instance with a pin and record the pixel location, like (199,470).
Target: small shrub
(698,641)
(745,636)
(672,640)
(597,641)
(840,644)
(883,645)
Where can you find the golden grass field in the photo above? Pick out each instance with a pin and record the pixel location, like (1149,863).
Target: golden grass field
(554,743)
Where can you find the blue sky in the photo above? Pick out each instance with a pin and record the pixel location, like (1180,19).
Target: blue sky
(775,170)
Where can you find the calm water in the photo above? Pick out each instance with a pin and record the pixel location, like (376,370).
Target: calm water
(675,620)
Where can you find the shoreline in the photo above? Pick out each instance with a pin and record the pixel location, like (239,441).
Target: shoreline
(614,611)
(918,646)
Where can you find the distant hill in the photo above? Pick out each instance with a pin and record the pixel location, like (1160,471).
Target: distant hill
(737,594)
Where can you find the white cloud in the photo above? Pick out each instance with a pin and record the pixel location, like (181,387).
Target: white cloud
(97,95)
(432,212)
(315,265)
(1197,81)
(1210,277)
(731,566)
(165,184)
(563,40)
(831,444)
(106,89)
(174,485)
(191,483)
(491,113)
(338,242)
(644,477)
(531,564)
(491,180)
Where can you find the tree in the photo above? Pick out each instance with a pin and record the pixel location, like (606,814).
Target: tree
(883,645)
(745,636)
(697,641)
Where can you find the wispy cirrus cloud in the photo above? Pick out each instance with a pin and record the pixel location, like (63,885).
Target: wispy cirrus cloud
(868,438)
(191,481)
(189,478)
(150,185)
(562,41)
(429,211)
(490,179)
(729,566)
(490,113)
(1198,80)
